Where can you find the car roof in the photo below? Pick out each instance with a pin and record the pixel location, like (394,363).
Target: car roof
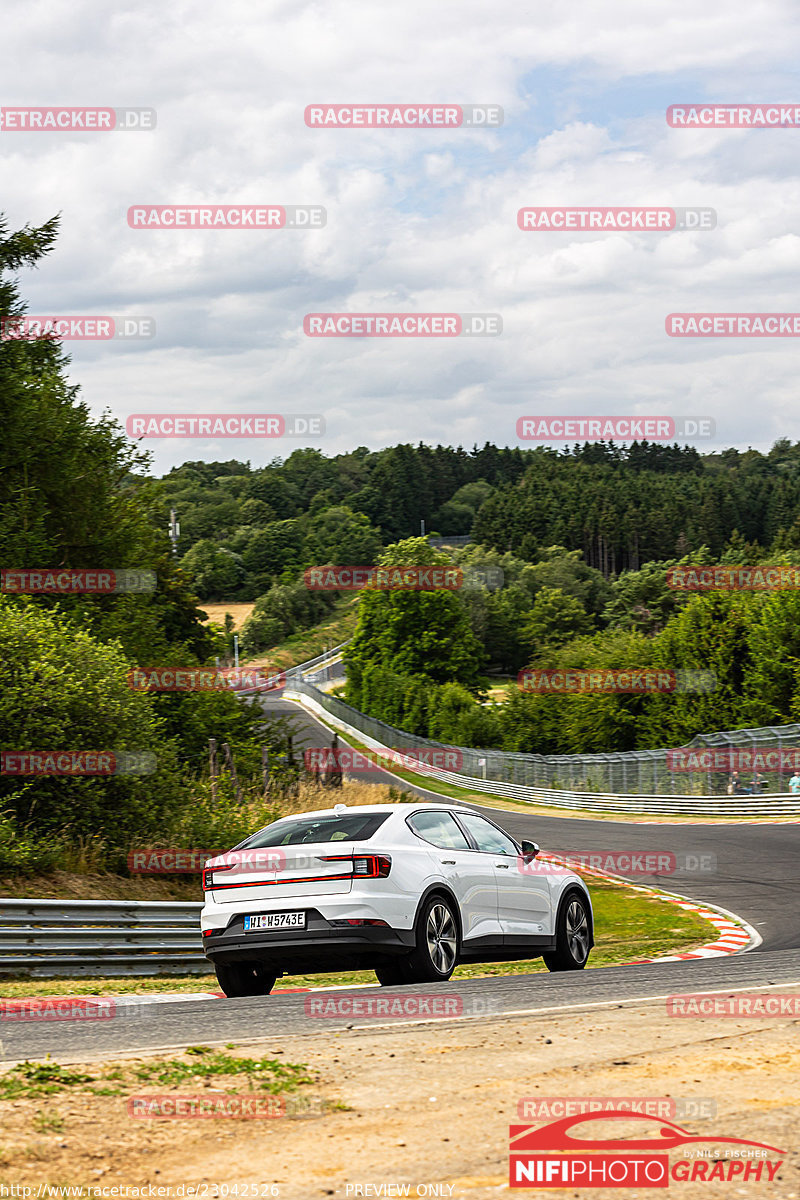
(348,809)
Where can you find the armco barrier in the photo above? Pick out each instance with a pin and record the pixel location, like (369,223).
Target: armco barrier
(350,721)
(40,938)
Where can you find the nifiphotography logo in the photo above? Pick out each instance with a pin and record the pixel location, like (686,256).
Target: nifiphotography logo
(552,1156)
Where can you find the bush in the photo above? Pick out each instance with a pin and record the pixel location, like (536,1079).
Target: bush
(62,690)
(285,609)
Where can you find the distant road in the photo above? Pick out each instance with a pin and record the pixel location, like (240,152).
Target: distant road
(757,875)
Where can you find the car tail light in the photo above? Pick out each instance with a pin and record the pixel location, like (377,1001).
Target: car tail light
(372,865)
(365,866)
(208,875)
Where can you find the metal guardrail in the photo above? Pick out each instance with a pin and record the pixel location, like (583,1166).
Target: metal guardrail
(378,735)
(641,773)
(306,668)
(314,669)
(455,540)
(73,938)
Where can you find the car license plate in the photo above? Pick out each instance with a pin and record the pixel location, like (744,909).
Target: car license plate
(282,920)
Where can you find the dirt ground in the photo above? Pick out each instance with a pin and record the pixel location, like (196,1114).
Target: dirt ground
(430,1107)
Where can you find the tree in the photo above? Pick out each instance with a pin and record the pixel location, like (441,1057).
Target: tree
(215,573)
(556,618)
(69,488)
(643,599)
(340,536)
(508,616)
(423,633)
(274,548)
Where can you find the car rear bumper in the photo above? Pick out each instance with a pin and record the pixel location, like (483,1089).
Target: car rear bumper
(320,946)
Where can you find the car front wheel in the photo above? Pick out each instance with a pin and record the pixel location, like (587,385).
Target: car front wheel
(573,936)
(244,979)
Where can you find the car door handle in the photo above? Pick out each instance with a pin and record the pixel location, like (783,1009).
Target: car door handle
(502,866)
(449,862)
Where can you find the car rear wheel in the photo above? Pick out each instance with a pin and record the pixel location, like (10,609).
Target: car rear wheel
(392,973)
(244,979)
(573,936)
(435,955)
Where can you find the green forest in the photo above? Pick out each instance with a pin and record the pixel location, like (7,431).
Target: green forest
(581,538)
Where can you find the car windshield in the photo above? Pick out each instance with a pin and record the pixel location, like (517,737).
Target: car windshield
(344,827)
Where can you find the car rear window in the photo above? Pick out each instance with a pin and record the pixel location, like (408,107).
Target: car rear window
(353,827)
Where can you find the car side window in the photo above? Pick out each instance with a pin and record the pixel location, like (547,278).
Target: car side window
(487,837)
(439,829)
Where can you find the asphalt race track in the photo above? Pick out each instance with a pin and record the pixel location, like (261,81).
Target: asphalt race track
(757,867)
(206,1022)
(755,876)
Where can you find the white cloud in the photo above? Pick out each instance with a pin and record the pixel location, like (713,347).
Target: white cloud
(417,220)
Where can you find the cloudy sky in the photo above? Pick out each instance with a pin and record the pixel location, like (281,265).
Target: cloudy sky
(417,220)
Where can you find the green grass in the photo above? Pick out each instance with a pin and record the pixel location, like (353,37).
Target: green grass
(629,925)
(40,1079)
(202,1063)
(32,1079)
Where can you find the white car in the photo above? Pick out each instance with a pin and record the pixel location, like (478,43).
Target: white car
(406,890)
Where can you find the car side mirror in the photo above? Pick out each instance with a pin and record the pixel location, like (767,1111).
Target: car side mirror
(529,851)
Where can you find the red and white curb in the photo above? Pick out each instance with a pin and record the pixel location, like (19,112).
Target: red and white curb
(735,935)
(15,1007)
